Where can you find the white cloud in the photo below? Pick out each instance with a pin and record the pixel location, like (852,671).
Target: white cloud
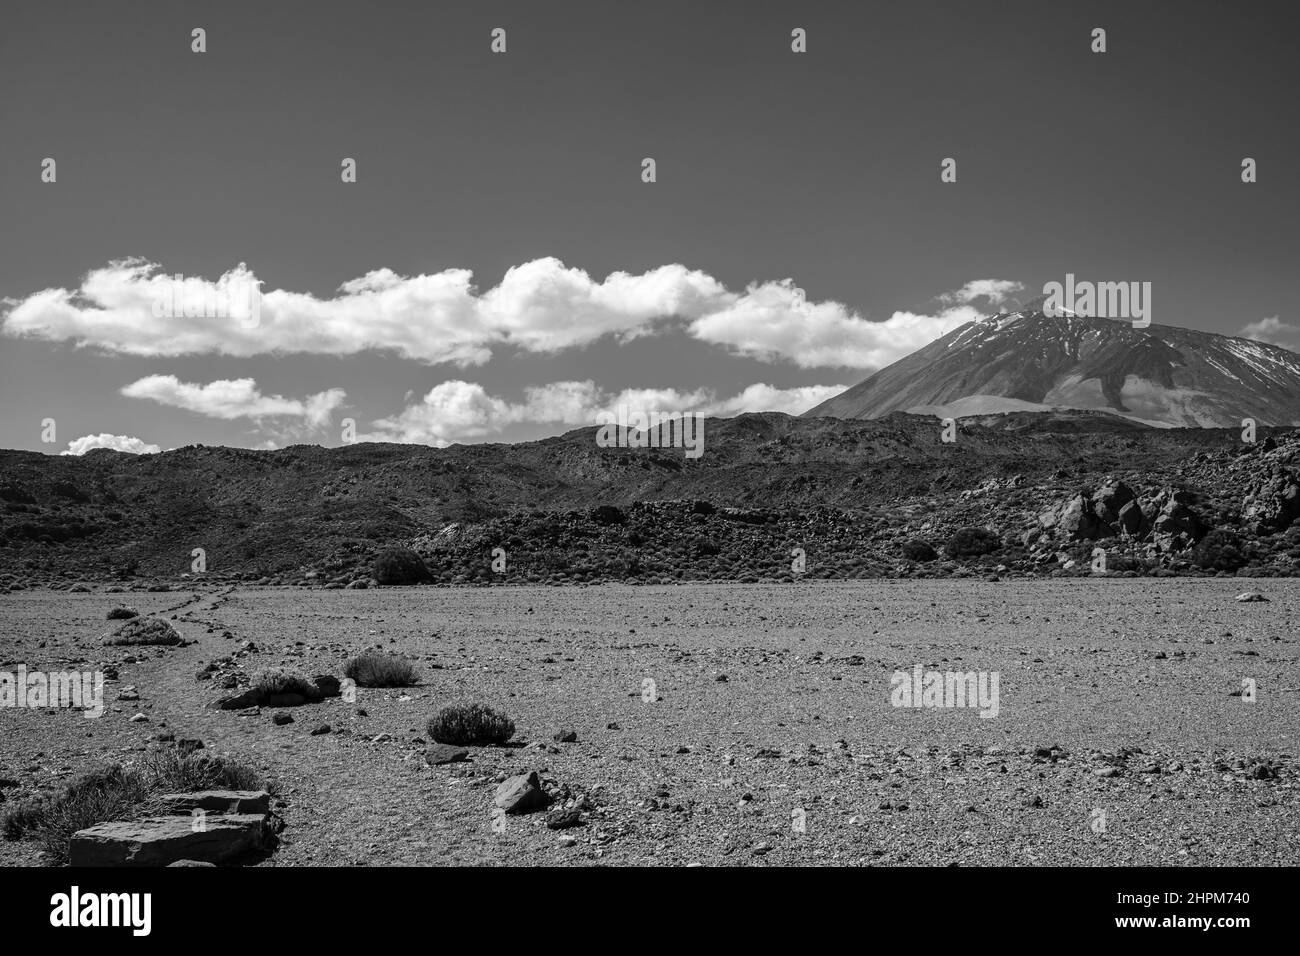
(229,399)
(767,398)
(772,322)
(456,410)
(1273,331)
(996,291)
(540,306)
(133,446)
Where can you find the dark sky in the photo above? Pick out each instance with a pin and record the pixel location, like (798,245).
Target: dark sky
(822,168)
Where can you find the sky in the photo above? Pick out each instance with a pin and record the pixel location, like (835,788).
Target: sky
(500,270)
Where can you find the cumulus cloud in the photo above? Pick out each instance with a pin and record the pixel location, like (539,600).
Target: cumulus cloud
(231,399)
(540,306)
(773,321)
(1274,331)
(132,446)
(995,291)
(457,411)
(543,306)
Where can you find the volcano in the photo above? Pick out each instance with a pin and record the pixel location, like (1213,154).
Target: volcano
(1030,361)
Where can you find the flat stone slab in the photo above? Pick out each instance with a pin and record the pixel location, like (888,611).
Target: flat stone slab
(219,801)
(161,841)
(439,754)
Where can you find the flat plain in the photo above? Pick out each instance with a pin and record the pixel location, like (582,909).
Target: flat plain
(1122,735)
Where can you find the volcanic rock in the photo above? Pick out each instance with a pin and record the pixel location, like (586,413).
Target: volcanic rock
(160,841)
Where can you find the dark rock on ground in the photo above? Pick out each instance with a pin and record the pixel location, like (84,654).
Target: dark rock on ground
(159,841)
(522,794)
(563,819)
(438,754)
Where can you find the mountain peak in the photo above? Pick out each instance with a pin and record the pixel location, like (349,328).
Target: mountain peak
(1030,361)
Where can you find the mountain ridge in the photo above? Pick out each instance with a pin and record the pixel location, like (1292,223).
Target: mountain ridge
(851,493)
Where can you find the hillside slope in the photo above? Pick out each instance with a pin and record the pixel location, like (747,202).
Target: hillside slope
(852,492)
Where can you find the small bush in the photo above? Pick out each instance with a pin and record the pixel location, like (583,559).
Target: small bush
(122,613)
(173,770)
(114,792)
(401,566)
(380,670)
(284,680)
(972,542)
(1220,550)
(98,796)
(918,550)
(23,816)
(139,630)
(472,724)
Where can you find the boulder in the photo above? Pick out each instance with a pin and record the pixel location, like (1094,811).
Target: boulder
(522,794)
(1110,499)
(438,754)
(1078,519)
(1275,505)
(161,841)
(1178,527)
(1132,520)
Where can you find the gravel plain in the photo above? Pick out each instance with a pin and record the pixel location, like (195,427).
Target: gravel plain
(768,737)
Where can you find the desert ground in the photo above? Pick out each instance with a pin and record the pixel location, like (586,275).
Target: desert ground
(1121,738)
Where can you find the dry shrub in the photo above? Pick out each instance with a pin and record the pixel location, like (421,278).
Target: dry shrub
(373,669)
(115,792)
(137,631)
(472,724)
(284,680)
